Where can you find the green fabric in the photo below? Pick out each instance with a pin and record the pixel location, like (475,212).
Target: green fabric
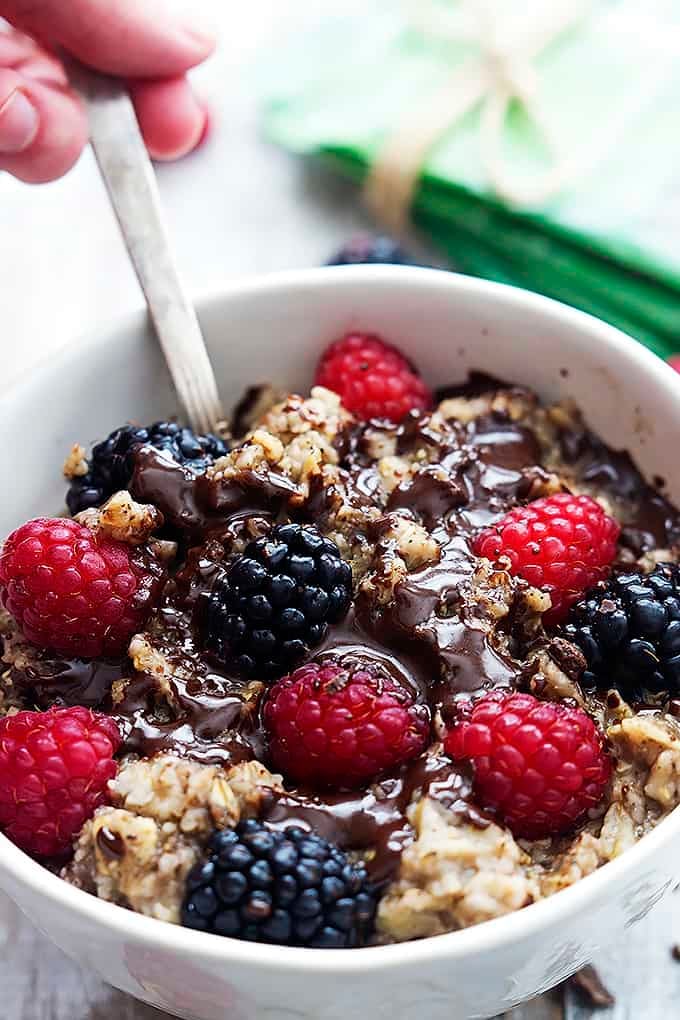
(610,89)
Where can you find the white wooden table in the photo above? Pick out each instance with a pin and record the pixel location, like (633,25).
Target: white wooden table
(237,207)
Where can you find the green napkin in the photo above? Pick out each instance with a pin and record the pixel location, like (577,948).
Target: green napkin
(610,90)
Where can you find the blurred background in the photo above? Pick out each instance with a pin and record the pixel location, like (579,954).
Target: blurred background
(572,191)
(243,204)
(239,205)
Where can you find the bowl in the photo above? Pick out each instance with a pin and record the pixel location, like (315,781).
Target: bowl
(273,329)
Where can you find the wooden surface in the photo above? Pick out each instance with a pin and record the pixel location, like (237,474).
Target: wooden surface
(237,207)
(38,982)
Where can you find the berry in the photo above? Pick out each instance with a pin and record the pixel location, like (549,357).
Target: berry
(372,378)
(369,249)
(74,592)
(111,462)
(674,362)
(292,888)
(540,765)
(276,600)
(54,770)
(334,727)
(561,544)
(629,631)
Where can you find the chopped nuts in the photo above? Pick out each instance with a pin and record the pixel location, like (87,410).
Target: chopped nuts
(75,465)
(122,519)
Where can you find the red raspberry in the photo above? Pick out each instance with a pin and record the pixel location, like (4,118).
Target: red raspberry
(72,591)
(54,769)
(338,728)
(372,378)
(562,544)
(541,765)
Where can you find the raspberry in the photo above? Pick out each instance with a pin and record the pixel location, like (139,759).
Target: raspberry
(74,592)
(629,631)
(562,544)
(111,462)
(54,770)
(292,888)
(338,728)
(276,601)
(372,378)
(540,765)
(368,249)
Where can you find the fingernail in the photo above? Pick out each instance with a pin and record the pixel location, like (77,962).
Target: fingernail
(207,125)
(19,123)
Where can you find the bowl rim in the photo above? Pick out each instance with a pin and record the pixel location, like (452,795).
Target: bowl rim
(484,937)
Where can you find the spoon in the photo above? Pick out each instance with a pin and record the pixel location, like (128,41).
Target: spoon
(133,191)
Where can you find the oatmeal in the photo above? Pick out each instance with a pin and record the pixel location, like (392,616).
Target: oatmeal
(377,667)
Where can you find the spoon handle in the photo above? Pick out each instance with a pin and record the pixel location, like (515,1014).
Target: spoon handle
(131,183)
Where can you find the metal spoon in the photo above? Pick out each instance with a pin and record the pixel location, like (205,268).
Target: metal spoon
(131,184)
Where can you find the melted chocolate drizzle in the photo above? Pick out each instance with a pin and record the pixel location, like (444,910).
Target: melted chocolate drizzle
(376,818)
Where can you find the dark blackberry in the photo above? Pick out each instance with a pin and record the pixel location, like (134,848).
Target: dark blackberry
(291,888)
(367,249)
(276,600)
(628,628)
(111,462)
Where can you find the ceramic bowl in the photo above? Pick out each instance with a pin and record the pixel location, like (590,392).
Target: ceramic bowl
(273,329)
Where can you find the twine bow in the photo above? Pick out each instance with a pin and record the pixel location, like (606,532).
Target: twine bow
(503,70)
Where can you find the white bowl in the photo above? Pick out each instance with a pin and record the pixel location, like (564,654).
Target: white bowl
(274,328)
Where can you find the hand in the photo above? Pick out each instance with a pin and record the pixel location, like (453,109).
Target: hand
(43,126)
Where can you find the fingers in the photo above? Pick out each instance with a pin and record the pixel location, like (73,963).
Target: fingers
(124,37)
(171,118)
(42,122)
(43,127)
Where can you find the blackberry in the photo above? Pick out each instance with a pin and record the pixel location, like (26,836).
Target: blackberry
(628,628)
(276,600)
(291,888)
(111,462)
(366,249)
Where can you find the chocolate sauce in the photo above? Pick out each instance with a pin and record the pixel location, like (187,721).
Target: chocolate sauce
(165,483)
(651,521)
(207,721)
(69,681)
(196,506)
(475,481)
(477,384)
(375,819)
(351,642)
(110,843)
(430,495)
